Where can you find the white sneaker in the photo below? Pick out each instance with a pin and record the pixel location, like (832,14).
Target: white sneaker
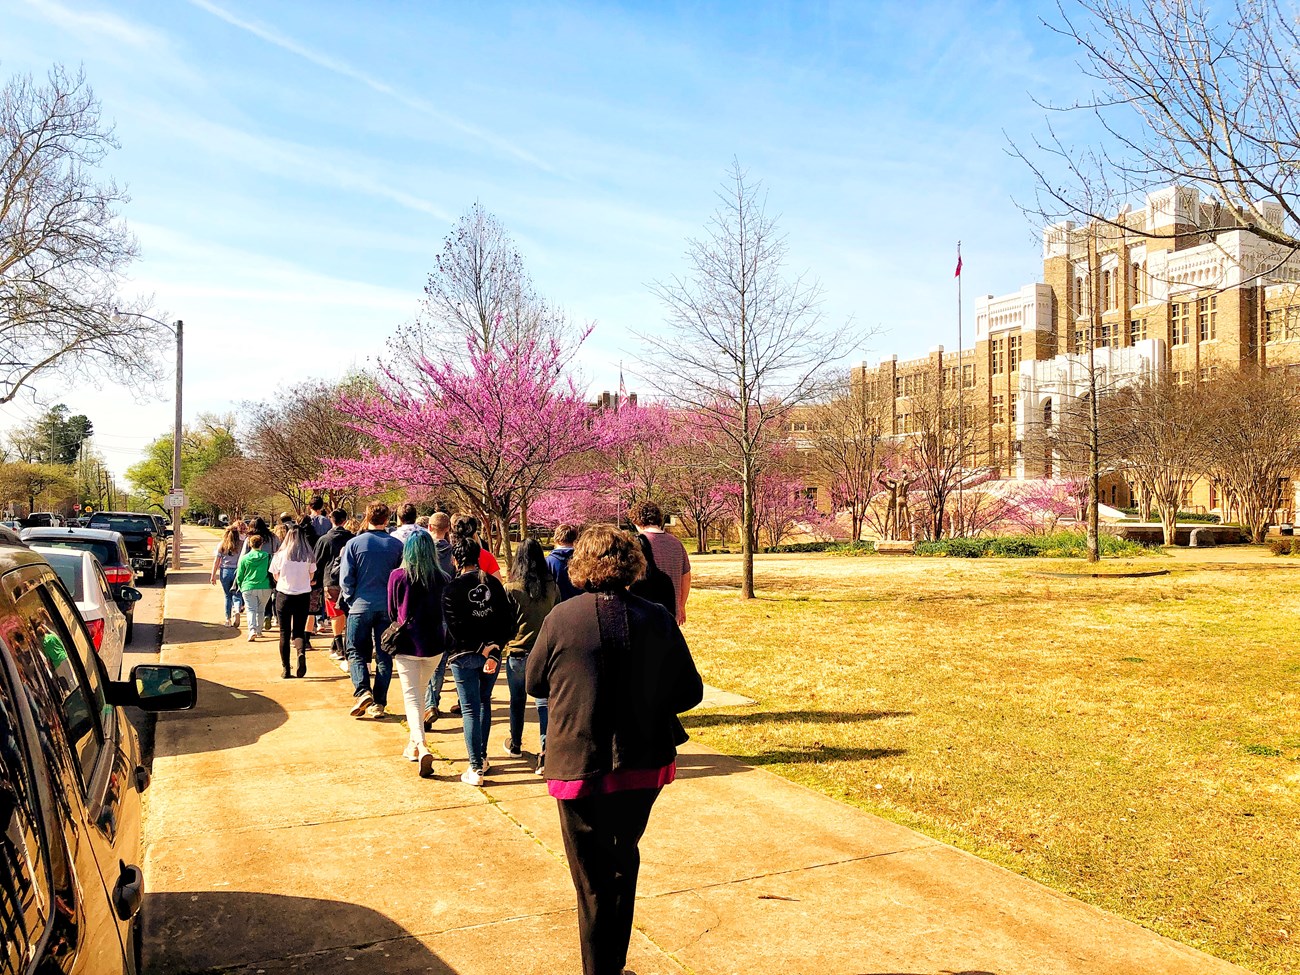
(411,752)
(470,777)
(426,763)
(376,711)
(252,637)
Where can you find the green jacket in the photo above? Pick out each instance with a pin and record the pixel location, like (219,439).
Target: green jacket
(530,613)
(254,570)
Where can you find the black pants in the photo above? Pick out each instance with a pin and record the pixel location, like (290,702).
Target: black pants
(601,834)
(292,611)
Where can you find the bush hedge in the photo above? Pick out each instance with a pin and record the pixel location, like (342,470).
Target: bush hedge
(1058,545)
(1284,545)
(1187,517)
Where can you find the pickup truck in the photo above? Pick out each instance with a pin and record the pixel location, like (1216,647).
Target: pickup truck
(146,541)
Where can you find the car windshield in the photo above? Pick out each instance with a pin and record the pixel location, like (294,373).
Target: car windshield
(106,552)
(68,569)
(123,524)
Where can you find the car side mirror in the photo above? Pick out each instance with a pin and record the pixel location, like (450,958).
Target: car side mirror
(157,687)
(168,532)
(130,595)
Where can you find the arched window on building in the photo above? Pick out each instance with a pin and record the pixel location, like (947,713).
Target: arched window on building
(1135,284)
(1105,290)
(1078,297)
(1047,415)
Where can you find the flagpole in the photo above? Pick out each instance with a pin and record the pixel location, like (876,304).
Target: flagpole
(961,419)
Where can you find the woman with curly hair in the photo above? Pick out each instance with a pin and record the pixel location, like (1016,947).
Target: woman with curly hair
(480,618)
(617,672)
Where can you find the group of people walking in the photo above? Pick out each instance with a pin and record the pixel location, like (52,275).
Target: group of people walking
(591,632)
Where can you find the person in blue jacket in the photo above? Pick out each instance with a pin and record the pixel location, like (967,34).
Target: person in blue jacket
(364,567)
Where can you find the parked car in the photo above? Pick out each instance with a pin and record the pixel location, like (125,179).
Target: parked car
(107,546)
(70,780)
(145,541)
(41,519)
(82,576)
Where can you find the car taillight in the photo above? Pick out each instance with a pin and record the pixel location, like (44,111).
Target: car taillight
(96,628)
(148,542)
(119,575)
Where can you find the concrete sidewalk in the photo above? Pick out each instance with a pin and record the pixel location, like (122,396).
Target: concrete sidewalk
(284,835)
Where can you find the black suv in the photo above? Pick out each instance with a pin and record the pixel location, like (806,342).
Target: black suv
(70,782)
(145,536)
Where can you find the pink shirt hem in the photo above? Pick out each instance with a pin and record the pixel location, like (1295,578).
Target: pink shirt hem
(621,781)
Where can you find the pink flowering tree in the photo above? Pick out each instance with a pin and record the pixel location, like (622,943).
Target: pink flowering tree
(1037,507)
(500,427)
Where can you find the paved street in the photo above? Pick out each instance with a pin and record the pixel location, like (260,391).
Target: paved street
(284,836)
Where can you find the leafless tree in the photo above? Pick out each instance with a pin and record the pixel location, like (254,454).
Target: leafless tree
(233,486)
(1188,93)
(940,453)
(1162,426)
(1252,443)
(63,247)
(848,433)
(743,342)
(480,292)
(288,436)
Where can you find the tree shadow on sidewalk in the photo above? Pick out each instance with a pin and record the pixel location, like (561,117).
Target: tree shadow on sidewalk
(235,930)
(695,766)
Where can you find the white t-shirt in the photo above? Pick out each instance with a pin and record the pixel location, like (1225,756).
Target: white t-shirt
(294,577)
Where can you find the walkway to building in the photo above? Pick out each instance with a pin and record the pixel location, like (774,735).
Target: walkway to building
(285,836)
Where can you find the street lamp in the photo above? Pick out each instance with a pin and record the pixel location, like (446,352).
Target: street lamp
(177,328)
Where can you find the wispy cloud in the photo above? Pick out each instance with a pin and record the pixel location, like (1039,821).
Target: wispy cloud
(99,24)
(346,70)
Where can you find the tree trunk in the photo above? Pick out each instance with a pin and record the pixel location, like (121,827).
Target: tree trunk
(701,537)
(1094,417)
(747,529)
(1169,522)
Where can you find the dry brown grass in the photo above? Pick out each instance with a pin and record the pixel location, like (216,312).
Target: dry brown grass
(1132,742)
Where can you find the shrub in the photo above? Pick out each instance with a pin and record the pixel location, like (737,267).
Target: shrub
(1281,546)
(797,547)
(1070,545)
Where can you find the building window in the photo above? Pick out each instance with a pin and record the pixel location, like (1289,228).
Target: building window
(998,410)
(968,376)
(898,387)
(1135,294)
(1110,335)
(997,357)
(1206,328)
(1013,353)
(1078,297)
(1282,324)
(1105,289)
(1181,378)
(1182,322)
(1208,374)
(999,454)
(1078,339)
(1137,331)
(1014,408)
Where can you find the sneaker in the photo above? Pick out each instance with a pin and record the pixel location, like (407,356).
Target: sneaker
(430,716)
(376,711)
(455,708)
(540,770)
(301,670)
(426,764)
(411,752)
(513,749)
(338,655)
(470,777)
(360,705)
(486,766)
(252,638)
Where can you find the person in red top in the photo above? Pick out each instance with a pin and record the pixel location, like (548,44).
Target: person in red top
(466,526)
(616,672)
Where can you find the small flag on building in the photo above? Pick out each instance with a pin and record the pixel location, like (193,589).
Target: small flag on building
(957,273)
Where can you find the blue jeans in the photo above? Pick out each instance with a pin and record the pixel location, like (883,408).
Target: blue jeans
(474,688)
(516,671)
(233,598)
(364,630)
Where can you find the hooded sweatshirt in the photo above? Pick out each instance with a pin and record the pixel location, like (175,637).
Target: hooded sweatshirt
(558,560)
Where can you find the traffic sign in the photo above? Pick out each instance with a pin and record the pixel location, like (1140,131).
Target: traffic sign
(176,499)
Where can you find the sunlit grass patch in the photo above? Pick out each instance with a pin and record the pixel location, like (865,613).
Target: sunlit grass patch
(1134,742)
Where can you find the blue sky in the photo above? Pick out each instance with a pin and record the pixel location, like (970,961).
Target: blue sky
(294,167)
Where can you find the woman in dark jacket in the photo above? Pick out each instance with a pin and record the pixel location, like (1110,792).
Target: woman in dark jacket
(654,585)
(415,600)
(617,672)
(533,591)
(480,618)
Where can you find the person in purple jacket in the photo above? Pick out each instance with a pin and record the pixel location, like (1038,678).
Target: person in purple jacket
(415,599)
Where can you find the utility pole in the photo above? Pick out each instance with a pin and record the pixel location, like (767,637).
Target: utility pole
(179,328)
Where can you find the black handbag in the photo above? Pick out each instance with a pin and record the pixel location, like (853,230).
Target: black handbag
(396,638)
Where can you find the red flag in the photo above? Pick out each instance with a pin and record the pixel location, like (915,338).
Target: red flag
(957,273)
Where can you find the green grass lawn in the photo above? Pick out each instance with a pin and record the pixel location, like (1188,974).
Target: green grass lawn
(1132,742)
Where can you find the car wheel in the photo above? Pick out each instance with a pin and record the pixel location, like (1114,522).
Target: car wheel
(137,943)
(150,575)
